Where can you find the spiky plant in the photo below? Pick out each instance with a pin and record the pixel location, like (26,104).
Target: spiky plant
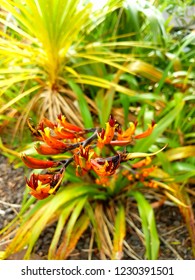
(45,48)
(100,196)
(42,48)
(168,74)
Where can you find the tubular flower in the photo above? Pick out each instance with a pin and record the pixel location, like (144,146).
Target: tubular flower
(106,136)
(145,172)
(47,123)
(107,166)
(44,149)
(61,136)
(38,163)
(127,134)
(103,181)
(147,132)
(68,126)
(142,163)
(152,184)
(82,160)
(42,185)
(52,141)
(63,133)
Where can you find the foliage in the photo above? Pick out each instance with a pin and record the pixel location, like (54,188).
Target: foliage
(42,50)
(59,138)
(43,58)
(79,203)
(125,59)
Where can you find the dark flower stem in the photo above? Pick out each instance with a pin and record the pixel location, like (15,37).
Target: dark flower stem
(84,143)
(90,139)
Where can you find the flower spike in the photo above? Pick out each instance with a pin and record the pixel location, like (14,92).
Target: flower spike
(62,136)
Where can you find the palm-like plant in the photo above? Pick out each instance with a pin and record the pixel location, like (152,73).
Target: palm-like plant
(45,48)
(42,48)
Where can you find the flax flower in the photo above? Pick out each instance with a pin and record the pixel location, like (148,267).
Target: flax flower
(42,185)
(107,166)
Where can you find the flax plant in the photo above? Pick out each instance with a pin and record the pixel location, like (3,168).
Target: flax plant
(142,74)
(80,204)
(42,46)
(100,195)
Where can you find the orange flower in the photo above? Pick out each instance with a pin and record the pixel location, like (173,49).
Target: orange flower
(107,166)
(106,136)
(42,185)
(103,181)
(152,184)
(147,132)
(142,163)
(124,138)
(63,133)
(145,172)
(38,163)
(68,126)
(44,149)
(127,134)
(51,140)
(82,159)
(47,123)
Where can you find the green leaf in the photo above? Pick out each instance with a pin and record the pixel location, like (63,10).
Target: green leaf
(61,252)
(79,228)
(84,109)
(60,226)
(146,212)
(119,233)
(187,40)
(104,103)
(17,98)
(162,125)
(30,230)
(90,212)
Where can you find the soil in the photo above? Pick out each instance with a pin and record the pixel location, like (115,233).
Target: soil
(174,238)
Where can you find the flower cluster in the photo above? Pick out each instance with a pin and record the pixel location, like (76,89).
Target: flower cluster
(61,136)
(141,172)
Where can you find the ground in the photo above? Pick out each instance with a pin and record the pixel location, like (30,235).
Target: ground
(174,238)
